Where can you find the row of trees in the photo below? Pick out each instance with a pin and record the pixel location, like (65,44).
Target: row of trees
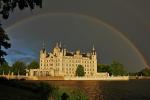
(115,69)
(143,72)
(18,67)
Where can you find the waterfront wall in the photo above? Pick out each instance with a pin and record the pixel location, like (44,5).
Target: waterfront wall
(65,78)
(98,78)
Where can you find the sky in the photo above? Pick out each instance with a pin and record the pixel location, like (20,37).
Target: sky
(117,28)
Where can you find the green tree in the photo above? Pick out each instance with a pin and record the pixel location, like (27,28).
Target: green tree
(117,69)
(4,42)
(8,6)
(103,68)
(5,68)
(144,72)
(19,68)
(33,65)
(80,71)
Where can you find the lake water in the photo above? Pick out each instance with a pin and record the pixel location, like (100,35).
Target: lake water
(111,90)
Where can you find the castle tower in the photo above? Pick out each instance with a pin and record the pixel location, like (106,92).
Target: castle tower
(94,59)
(42,56)
(93,50)
(56,50)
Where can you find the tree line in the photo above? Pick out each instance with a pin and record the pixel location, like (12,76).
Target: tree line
(118,69)
(114,69)
(18,68)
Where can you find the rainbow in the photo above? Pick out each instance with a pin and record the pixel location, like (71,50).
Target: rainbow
(94,19)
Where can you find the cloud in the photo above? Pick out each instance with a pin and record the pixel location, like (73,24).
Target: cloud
(20,55)
(15,52)
(26,60)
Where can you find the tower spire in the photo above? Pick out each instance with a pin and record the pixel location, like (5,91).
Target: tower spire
(43,45)
(93,48)
(60,44)
(57,45)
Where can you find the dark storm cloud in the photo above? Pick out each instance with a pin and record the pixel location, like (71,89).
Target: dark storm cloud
(75,32)
(131,17)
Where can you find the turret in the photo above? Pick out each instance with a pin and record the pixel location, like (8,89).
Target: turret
(60,45)
(93,54)
(78,52)
(56,50)
(42,56)
(93,51)
(43,51)
(65,51)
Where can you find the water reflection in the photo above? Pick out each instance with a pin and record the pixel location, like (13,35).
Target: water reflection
(111,90)
(91,88)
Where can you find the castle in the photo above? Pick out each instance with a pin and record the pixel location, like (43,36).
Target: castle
(61,62)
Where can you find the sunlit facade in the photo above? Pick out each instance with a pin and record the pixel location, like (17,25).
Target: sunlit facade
(61,62)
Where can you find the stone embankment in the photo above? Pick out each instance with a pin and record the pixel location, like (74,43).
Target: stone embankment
(99,78)
(66,78)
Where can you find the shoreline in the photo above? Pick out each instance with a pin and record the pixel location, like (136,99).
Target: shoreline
(110,78)
(139,77)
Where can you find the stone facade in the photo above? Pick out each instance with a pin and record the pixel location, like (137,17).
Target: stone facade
(61,62)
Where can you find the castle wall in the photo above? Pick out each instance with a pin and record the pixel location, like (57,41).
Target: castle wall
(60,62)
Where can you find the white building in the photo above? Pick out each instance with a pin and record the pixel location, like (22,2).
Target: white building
(61,62)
